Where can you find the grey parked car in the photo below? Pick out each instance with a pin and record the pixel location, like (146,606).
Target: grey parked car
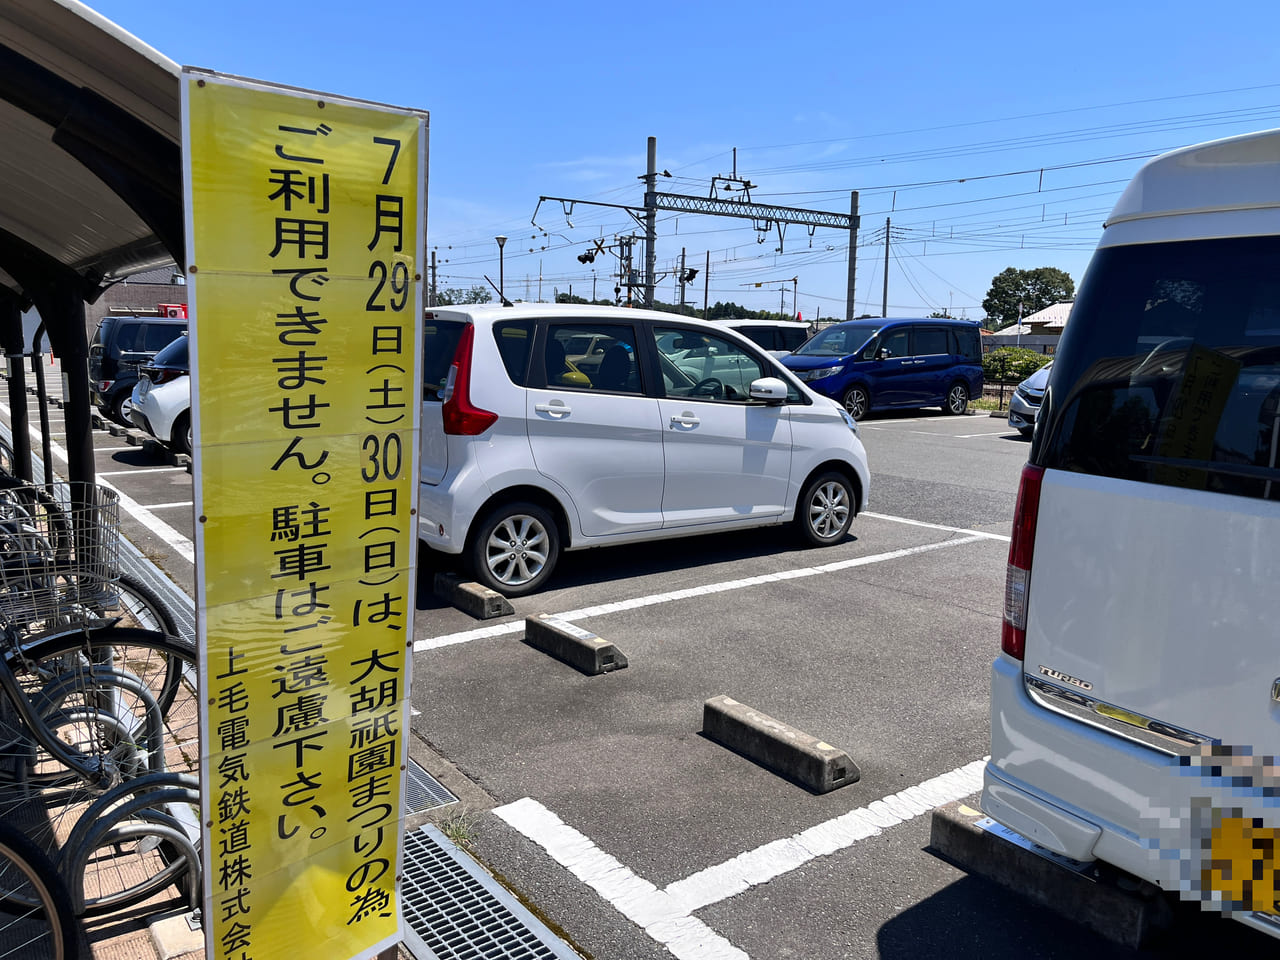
(1025,403)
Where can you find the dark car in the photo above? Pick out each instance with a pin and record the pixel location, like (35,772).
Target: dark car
(879,364)
(120,345)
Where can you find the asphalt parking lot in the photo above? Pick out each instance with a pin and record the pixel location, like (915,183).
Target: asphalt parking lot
(598,800)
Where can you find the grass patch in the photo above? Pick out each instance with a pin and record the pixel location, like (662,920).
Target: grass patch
(986,404)
(460,827)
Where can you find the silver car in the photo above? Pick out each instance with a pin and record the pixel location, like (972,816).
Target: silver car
(1025,403)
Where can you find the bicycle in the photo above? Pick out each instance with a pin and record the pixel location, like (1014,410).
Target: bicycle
(37,921)
(86,705)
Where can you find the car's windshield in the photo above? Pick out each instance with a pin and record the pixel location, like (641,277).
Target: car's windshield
(837,341)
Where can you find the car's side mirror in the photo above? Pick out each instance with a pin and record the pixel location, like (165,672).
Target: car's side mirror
(884,353)
(769,389)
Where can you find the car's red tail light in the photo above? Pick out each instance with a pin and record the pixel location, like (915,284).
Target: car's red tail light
(1017,582)
(163,375)
(460,416)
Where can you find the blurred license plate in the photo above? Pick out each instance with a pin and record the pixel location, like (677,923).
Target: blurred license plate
(1243,863)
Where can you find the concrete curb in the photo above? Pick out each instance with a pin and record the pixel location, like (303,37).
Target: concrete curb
(481,602)
(579,648)
(781,748)
(1083,892)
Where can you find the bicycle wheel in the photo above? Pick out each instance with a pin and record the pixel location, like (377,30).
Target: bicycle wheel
(101,724)
(134,604)
(165,662)
(36,917)
(43,510)
(136,840)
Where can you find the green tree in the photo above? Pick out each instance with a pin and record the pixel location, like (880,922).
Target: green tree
(939,315)
(1032,289)
(455,295)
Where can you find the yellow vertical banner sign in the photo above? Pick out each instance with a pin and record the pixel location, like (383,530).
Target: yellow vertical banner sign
(305,232)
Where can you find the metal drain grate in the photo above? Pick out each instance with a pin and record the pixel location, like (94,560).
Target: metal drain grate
(422,791)
(456,911)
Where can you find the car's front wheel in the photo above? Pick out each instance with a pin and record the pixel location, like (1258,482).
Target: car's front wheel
(856,402)
(515,548)
(957,399)
(825,509)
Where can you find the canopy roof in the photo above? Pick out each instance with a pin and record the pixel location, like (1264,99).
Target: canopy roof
(90,162)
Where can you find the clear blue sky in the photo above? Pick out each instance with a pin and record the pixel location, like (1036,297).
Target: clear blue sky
(558,99)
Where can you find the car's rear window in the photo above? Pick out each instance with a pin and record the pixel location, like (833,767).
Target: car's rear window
(160,335)
(515,338)
(969,344)
(1169,369)
(439,343)
(123,340)
(792,337)
(174,355)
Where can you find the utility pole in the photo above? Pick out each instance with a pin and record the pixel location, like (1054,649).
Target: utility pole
(884,304)
(681,283)
(853,255)
(782,302)
(795,296)
(650,221)
(706,285)
(431,301)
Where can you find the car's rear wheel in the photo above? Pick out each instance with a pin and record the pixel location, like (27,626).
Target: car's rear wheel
(856,402)
(119,410)
(957,399)
(181,438)
(515,548)
(825,509)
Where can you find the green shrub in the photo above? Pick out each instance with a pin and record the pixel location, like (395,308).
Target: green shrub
(1011,364)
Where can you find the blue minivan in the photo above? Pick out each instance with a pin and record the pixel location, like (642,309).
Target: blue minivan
(877,364)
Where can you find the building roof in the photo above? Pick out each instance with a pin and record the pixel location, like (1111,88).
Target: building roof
(90,172)
(1053,317)
(1015,330)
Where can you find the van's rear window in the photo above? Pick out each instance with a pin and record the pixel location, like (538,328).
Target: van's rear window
(1169,369)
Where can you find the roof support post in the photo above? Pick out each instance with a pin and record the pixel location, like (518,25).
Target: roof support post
(63,313)
(11,340)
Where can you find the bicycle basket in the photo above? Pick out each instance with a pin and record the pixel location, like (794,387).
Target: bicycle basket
(59,554)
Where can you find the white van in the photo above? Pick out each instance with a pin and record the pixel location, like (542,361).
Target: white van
(779,337)
(1135,704)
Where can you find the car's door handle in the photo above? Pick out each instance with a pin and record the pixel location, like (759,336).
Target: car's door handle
(685,420)
(555,407)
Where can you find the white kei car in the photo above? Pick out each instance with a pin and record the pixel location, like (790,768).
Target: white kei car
(678,427)
(161,400)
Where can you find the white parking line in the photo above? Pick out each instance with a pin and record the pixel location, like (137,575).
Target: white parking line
(137,470)
(934,526)
(666,915)
(167,506)
(184,547)
(505,629)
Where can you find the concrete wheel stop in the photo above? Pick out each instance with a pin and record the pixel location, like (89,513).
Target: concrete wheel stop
(1120,908)
(571,644)
(783,749)
(479,601)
